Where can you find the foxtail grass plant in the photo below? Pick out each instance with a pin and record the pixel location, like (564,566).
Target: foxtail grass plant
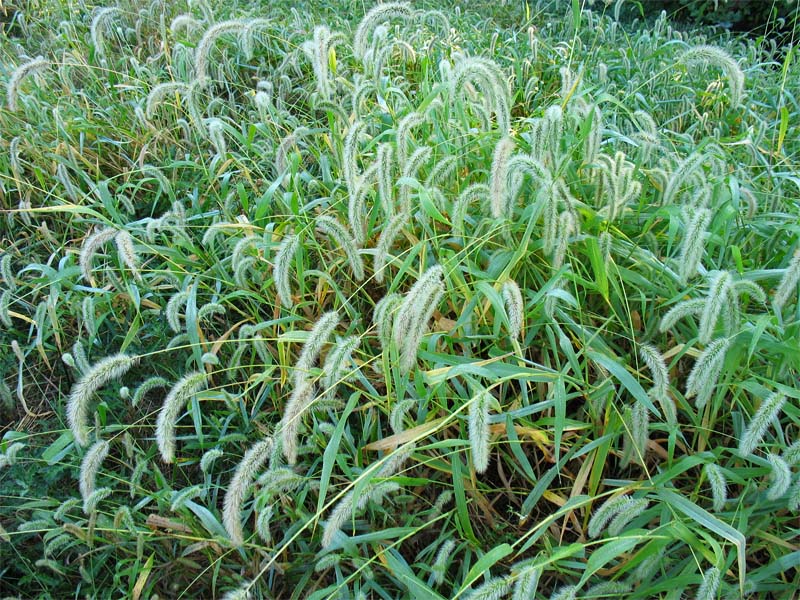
(433,303)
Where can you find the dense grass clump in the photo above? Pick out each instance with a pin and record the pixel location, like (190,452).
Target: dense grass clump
(409,307)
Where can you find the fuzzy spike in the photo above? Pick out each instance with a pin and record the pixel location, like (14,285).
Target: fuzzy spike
(479,429)
(342,236)
(708,588)
(108,369)
(693,245)
(498,178)
(769,410)
(705,55)
(240,484)
(379,14)
(89,467)
(719,299)
(719,488)
(706,370)
(411,319)
(318,336)
(385,242)
(18,76)
(206,43)
(185,388)
(282,265)
(788,283)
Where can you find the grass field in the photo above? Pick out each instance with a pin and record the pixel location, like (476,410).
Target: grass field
(481,302)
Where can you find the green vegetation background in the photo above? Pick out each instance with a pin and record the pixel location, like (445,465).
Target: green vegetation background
(493,301)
